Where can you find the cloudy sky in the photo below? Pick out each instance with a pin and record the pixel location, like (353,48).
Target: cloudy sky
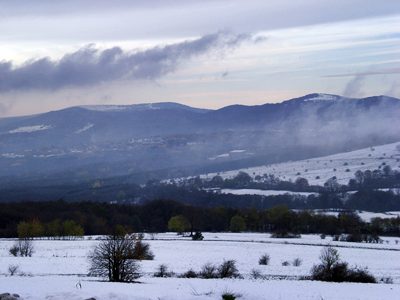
(204,53)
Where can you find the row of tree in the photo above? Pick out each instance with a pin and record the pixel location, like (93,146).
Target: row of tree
(37,219)
(67,229)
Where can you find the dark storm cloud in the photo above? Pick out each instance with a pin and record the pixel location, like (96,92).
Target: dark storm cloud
(90,66)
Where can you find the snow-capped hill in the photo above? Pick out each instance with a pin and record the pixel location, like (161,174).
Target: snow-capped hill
(322,97)
(142,107)
(316,98)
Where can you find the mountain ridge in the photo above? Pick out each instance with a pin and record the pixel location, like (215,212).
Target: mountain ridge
(176,105)
(104,141)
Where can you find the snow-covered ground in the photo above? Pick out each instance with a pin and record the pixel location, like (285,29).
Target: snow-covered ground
(57,266)
(262,192)
(318,170)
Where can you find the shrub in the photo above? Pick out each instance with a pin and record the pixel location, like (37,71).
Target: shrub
(285,263)
(25,247)
(229,296)
(336,273)
(13,269)
(22,247)
(14,250)
(190,274)
(162,271)
(297,262)
(208,271)
(198,236)
(142,251)
(359,275)
(256,274)
(322,236)
(228,269)
(386,280)
(332,269)
(264,260)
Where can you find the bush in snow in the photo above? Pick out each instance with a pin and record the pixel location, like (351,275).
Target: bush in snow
(285,263)
(264,260)
(359,275)
(332,269)
(228,269)
(386,280)
(14,250)
(22,247)
(229,296)
(13,269)
(297,262)
(142,251)
(162,271)
(256,274)
(190,274)
(209,271)
(198,236)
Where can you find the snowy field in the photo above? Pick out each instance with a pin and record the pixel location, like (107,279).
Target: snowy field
(262,192)
(318,170)
(57,266)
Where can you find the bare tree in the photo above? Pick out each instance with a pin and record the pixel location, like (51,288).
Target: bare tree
(25,247)
(329,257)
(114,259)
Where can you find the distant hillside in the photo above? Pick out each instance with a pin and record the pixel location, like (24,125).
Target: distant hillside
(164,140)
(318,170)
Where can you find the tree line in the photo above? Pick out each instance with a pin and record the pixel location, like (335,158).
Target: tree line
(59,219)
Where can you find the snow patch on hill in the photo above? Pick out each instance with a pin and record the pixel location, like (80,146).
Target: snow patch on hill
(12,155)
(84,128)
(323,97)
(29,129)
(106,107)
